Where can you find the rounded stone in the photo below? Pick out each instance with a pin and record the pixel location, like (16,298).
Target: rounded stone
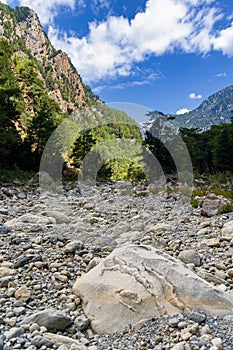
(190,256)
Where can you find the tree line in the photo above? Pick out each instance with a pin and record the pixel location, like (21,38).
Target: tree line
(210,151)
(28,116)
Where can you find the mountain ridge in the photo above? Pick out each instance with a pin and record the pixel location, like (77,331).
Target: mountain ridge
(214,110)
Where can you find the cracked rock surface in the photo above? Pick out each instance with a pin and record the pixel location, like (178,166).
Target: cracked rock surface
(136,282)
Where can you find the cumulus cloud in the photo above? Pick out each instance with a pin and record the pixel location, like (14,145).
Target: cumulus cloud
(47,10)
(194,96)
(182,111)
(224,41)
(113,46)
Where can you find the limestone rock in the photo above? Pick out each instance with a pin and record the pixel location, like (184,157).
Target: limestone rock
(30,219)
(63,340)
(59,217)
(227,230)
(71,247)
(128,237)
(14,332)
(136,282)
(5,272)
(23,294)
(2,342)
(211,242)
(40,341)
(160,227)
(209,277)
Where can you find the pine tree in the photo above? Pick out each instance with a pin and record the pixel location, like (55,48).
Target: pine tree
(223,149)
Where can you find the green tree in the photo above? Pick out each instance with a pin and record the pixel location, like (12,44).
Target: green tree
(45,117)
(223,148)
(196,145)
(10,95)
(161,153)
(81,147)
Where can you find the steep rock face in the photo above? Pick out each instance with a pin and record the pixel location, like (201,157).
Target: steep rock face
(36,40)
(22,28)
(67,88)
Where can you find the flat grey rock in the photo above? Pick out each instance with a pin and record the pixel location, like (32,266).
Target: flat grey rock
(51,319)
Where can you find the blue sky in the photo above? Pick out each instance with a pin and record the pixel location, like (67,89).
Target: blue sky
(167,55)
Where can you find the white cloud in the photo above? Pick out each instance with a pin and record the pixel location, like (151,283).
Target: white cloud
(81,4)
(221,75)
(101,3)
(98,89)
(48,9)
(149,80)
(224,41)
(200,40)
(182,111)
(113,46)
(195,96)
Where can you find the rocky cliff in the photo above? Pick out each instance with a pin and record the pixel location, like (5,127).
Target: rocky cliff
(22,29)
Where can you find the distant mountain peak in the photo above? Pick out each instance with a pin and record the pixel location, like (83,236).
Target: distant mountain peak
(214,110)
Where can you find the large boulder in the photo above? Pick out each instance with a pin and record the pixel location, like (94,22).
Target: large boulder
(136,282)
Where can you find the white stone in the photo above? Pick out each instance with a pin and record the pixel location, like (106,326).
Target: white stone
(135,282)
(227,230)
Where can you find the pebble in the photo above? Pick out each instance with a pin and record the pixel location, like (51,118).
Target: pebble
(217,342)
(81,323)
(23,294)
(178,346)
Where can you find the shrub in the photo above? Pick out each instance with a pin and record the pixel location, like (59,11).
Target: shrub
(226,208)
(22,13)
(194,202)
(8,176)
